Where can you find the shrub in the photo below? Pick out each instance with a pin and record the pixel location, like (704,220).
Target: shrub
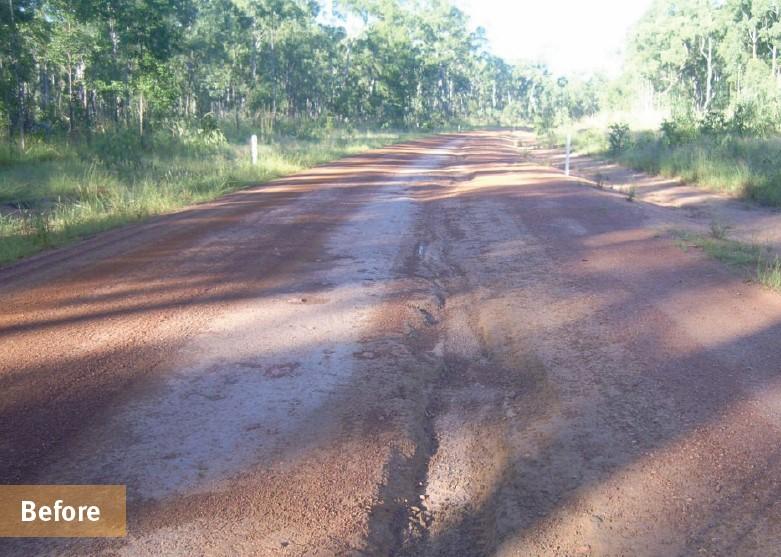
(678,131)
(713,123)
(750,119)
(200,136)
(590,141)
(37,151)
(618,137)
(769,273)
(114,147)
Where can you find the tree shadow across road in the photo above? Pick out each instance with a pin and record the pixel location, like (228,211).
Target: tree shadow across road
(631,388)
(654,426)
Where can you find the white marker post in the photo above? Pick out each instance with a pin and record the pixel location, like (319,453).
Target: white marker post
(253,142)
(566,161)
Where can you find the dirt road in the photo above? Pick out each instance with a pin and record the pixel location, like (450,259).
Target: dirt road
(432,349)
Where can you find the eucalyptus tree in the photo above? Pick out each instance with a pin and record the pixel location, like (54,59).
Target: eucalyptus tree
(708,55)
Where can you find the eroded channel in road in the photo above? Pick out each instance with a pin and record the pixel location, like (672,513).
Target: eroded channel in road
(275,378)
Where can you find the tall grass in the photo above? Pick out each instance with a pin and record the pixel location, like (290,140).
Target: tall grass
(748,168)
(769,273)
(743,167)
(54,193)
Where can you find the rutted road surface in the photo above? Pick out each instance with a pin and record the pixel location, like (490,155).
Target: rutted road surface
(430,349)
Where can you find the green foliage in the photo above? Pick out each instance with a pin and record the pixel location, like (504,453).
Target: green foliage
(714,63)
(88,66)
(751,119)
(618,137)
(749,258)
(731,252)
(115,147)
(743,167)
(769,273)
(590,141)
(712,70)
(713,123)
(678,131)
(746,120)
(36,151)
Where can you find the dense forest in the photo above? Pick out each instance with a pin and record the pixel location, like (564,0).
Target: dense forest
(714,58)
(709,73)
(83,65)
(78,67)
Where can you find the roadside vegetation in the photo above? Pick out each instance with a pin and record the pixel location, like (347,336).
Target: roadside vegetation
(53,192)
(112,111)
(756,261)
(737,164)
(699,98)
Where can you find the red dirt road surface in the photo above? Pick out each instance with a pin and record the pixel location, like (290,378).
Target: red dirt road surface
(436,348)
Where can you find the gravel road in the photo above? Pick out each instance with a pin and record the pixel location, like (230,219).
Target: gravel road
(436,348)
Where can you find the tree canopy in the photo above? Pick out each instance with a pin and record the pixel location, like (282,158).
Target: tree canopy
(711,56)
(86,65)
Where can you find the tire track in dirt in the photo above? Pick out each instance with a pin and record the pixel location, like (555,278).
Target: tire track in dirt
(601,384)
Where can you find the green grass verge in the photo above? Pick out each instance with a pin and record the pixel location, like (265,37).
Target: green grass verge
(756,261)
(748,168)
(53,194)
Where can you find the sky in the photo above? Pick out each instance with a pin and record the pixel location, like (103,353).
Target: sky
(573,37)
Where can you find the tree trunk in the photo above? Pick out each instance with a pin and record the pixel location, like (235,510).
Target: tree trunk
(20,114)
(141,112)
(236,110)
(273,79)
(70,94)
(44,73)
(754,40)
(116,99)
(709,81)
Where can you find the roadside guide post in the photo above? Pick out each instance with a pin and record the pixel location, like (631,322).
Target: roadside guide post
(566,160)
(254,148)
